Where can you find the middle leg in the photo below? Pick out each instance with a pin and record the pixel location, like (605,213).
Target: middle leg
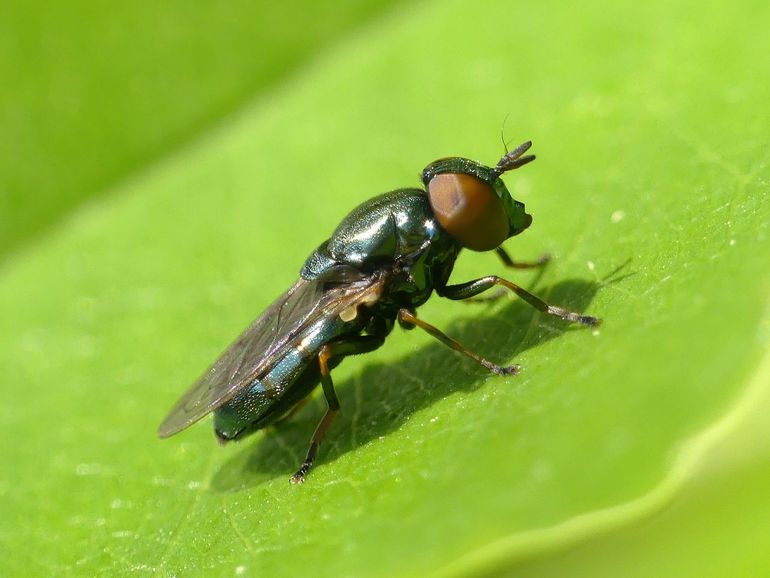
(409,318)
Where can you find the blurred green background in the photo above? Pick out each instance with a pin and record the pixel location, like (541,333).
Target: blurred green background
(165,170)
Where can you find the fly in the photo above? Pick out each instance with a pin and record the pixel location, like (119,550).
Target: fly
(385,259)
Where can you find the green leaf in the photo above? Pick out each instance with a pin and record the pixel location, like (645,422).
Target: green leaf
(650,190)
(716,526)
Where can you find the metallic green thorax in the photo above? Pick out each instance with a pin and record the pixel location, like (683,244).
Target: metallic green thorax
(517,216)
(397,231)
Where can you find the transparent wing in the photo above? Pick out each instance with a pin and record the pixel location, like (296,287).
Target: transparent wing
(267,339)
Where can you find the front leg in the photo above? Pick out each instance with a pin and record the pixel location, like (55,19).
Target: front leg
(511,264)
(473,288)
(508,262)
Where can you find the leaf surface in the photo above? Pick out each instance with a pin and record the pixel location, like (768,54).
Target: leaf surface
(650,191)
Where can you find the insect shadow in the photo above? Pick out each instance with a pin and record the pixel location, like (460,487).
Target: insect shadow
(382,396)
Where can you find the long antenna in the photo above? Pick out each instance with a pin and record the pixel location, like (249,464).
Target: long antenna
(502,133)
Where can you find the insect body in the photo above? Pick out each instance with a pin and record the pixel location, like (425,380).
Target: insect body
(383,261)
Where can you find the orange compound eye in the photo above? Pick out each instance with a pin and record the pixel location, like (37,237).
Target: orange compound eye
(469,210)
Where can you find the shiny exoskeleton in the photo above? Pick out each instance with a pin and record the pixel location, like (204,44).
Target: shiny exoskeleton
(383,261)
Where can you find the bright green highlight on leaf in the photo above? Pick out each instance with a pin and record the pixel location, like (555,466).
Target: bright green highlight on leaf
(650,191)
(717,524)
